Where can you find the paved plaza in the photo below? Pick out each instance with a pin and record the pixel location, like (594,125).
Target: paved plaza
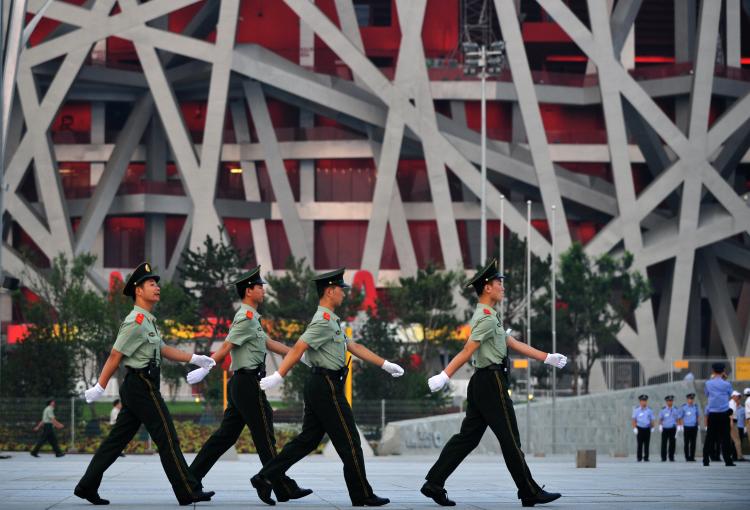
(137,481)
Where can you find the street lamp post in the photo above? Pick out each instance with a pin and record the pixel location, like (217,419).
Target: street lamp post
(483,62)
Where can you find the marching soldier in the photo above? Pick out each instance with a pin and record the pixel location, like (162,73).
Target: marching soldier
(326,408)
(643,423)
(246,402)
(689,418)
(140,348)
(48,424)
(668,427)
(488,403)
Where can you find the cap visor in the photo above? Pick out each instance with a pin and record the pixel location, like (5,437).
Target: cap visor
(344,285)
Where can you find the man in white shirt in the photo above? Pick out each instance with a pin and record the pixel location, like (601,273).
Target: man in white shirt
(747,409)
(116,406)
(734,402)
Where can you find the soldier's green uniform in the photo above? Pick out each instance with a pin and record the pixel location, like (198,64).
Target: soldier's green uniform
(140,343)
(48,432)
(326,407)
(246,402)
(488,402)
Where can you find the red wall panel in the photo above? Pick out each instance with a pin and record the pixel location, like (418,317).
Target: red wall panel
(278,243)
(339,244)
(240,232)
(424,237)
(72,123)
(344,180)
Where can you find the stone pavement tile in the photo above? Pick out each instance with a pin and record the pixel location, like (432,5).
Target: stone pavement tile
(482,482)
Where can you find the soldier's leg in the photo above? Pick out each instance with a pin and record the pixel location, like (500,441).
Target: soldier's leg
(308,439)
(109,450)
(460,445)
(151,409)
(40,442)
(335,414)
(687,439)
(496,408)
(53,441)
(258,415)
(222,439)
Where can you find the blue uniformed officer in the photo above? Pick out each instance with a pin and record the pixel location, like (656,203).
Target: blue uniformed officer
(643,422)
(668,427)
(689,414)
(718,390)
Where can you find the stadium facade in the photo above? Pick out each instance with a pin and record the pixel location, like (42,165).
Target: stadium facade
(345,132)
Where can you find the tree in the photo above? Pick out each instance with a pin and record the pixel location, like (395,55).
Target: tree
(594,298)
(371,383)
(206,276)
(290,304)
(72,327)
(426,303)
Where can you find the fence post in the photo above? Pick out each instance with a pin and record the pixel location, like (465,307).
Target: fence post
(72,446)
(382,416)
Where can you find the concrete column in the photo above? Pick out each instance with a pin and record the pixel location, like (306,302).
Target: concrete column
(156,170)
(307,179)
(685,13)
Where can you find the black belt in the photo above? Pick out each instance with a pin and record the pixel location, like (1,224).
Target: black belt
(496,367)
(143,370)
(259,372)
(340,373)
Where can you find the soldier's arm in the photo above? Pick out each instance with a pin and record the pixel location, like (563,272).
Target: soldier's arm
(57,424)
(219,355)
(364,353)
(277,347)
(292,357)
(38,425)
(525,350)
(462,357)
(110,367)
(175,354)
(633,423)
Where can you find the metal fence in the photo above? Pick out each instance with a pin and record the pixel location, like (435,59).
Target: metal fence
(623,373)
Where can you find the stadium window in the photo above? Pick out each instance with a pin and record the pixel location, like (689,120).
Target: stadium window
(373,13)
(124,241)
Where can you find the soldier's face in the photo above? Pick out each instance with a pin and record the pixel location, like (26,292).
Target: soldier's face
(337,295)
(690,401)
(149,291)
(497,291)
(256,293)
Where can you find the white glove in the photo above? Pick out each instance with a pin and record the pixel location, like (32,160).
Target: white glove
(438,381)
(652,429)
(270,381)
(680,428)
(94,393)
(556,360)
(661,428)
(197,375)
(202,361)
(635,431)
(392,368)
